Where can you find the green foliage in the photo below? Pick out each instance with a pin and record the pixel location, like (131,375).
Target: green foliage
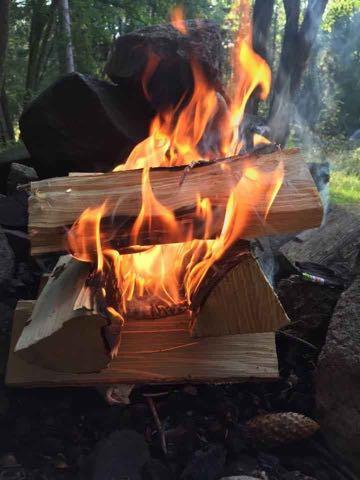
(339,9)
(344,158)
(344,188)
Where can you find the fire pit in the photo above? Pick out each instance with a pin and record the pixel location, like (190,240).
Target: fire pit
(159,253)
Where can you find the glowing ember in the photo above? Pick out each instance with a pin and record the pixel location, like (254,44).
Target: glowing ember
(170,274)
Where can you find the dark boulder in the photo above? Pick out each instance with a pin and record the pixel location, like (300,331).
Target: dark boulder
(336,244)
(14,210)
(80,123)
(122,454)
(337,378)
(6,261)
(205,464)
(171,52)
(20,175)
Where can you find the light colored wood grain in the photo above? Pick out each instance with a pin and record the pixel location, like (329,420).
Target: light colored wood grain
(56,203)
(63,333)
(149,355)
(241,302)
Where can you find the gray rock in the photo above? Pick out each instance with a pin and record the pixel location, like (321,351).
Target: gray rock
(80,123)
(4,403)
(6,260)
(241,477)
(122,454)
(20,175)
(296,475)
(336,244)
(337,378)
(156,470)
(205,464)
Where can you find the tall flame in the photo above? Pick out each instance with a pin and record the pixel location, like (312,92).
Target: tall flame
(178,20)
(171,273)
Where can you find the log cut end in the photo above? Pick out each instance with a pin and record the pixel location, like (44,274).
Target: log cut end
(76,347)
(64,333)
(243,301)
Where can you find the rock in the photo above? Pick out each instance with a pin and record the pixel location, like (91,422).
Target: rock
(80,123)
(296,475)
(336,244)
(6,260)
(156,470)
(309,307)
(173,51)
(15,153)
(122,454)
(336,379)
(205,464)
(14,210)
(4,403)
(6,316)
(244,465)
(241,477)
(20,175)
(8,460)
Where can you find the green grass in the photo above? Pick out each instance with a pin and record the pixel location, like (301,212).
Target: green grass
(344,187)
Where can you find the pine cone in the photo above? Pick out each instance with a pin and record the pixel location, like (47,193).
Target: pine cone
(276,428)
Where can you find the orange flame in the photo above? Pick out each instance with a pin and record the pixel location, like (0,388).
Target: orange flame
(249,73)
(178,20)
(170,274)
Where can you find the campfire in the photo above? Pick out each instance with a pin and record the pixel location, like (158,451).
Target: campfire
(168,232)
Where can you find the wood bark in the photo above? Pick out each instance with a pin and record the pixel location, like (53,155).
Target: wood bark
(55,204)
(297,44)
(65,331)
(68,53)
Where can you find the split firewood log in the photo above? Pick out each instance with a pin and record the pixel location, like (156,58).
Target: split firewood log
(235,297)
(55,204)
(66,331)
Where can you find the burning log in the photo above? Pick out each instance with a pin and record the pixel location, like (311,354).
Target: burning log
(55,204)
(235,297)
(153,352)
(65,331)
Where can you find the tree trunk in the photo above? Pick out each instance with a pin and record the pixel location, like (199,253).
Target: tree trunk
(306,39)
(4,32)
(65,21)
(38,21)
(5,124)
(280,108)
(262,17)
(7,130)
(297,44)
(41,29)
(46,44)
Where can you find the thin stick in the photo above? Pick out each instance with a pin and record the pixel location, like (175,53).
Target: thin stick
(158,424)
(298,339)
